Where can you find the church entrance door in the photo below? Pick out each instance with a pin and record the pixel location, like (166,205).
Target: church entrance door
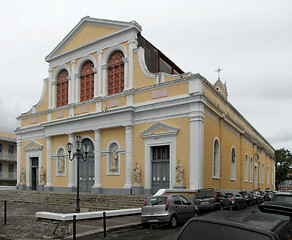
(34,173)
(86,169)
(160,167)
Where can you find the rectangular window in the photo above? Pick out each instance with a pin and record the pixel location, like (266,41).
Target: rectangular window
(1,148)
(11,149)
(10,168)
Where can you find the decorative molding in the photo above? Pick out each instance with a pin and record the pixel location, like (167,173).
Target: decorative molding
(167,131)
(33,146)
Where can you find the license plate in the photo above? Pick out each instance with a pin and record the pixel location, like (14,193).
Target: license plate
(153,220)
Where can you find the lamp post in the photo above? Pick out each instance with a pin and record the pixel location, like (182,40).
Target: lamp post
(78,155)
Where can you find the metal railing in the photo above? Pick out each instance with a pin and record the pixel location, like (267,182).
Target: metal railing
(5,156)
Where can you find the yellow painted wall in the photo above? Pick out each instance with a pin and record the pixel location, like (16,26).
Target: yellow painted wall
(174,90)
(87,34)
(140,79)
(107,136)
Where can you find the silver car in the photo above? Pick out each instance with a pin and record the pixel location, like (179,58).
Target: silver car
(169,209)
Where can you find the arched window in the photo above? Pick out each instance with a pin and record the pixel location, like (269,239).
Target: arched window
(216,159)
(246,168)
(233,164)
(62,88)
(86,82)
(115,73)
(251,170)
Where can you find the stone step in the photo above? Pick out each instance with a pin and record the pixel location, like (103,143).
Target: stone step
(89,201)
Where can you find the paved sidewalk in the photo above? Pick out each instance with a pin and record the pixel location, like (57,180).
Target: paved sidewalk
(23,224)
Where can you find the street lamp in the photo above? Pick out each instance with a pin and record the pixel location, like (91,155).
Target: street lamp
(78,155)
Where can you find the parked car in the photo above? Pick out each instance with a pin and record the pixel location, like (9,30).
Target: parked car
(282,197)
(249,197)
(281,210)
(258,197)
(169,209)
(211,199)
(234,226)
(237,201)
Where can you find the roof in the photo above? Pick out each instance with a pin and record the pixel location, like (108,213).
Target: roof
(116,26)
(7,137)
(244,220)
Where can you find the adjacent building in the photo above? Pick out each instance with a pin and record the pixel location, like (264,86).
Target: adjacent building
(7,159)
(148,124)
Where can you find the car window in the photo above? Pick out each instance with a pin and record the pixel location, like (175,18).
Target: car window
(219,232)
(176,200)
(184,200)
(205,194)
(220,194)
(155,201)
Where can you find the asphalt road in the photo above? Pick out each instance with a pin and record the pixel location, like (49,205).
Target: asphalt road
(157,232)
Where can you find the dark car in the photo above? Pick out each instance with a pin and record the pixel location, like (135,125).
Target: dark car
(259,197)
(167,209)
(234,226)
(211,199)
(281,210)
(282,197)
(237,201)
(249,197)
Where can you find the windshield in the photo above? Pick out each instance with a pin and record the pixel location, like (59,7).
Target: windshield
(220,232)
(155,201)
(205,194)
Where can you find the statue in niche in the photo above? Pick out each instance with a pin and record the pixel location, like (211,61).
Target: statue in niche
(114,160)
(137,174)
(42,176)
(22,177)
(61,167)
(179,173)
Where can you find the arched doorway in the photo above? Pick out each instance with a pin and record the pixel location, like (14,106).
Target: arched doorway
(86,168)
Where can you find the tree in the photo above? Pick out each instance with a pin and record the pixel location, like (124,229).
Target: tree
(283,160)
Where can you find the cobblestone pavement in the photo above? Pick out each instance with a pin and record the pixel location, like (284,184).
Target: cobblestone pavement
(21,222)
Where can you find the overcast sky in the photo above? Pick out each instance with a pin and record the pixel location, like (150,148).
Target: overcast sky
(251,40)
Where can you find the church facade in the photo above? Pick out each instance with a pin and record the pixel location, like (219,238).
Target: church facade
(147,124)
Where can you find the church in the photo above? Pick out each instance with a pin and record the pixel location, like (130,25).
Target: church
(116,115)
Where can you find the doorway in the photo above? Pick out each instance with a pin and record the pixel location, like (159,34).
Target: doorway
(34,173)
(86,168)
(160,167)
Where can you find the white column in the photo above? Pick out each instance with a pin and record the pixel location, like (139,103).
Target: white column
(99,56)
(126,70)
(97,160)
(197,149)
(50,88)
(71,85)
(132,45)
(49,162)
(95,81)
(129,156)
(18,160)
(71,182)
(104,79)
(54,93)
(77,87)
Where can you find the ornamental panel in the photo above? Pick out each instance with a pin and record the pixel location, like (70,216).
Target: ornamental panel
(62,88)
(87,81)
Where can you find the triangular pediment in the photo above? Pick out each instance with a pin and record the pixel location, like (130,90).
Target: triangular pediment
(87,31)
(159,129)
(33,146)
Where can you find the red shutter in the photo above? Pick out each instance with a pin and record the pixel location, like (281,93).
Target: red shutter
(62,89)
(115,73)
(86,82)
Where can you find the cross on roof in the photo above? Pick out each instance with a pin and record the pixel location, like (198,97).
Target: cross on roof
(219,70)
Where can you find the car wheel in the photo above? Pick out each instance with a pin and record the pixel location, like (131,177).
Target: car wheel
(222,207)
(145,225)
(230,207)
(173,221)
(238,206)
(245,205)
(196,214)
